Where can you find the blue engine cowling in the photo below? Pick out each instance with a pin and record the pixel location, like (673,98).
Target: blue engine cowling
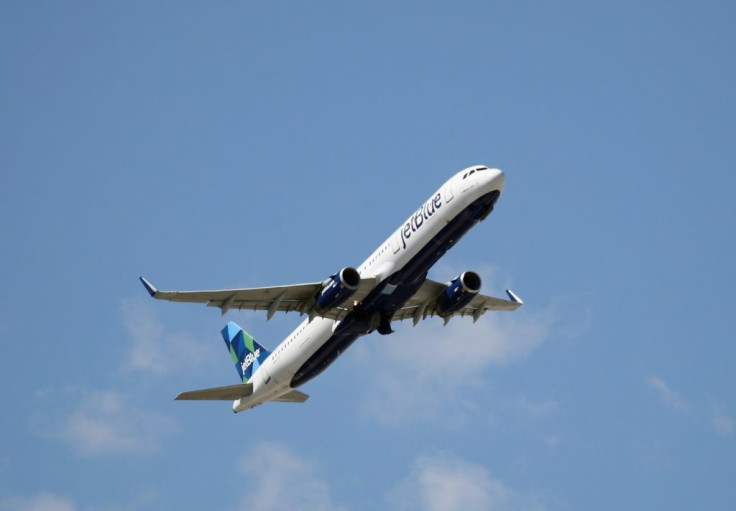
(338,288)
(459,292)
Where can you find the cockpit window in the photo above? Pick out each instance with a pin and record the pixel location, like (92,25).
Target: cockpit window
(473,171)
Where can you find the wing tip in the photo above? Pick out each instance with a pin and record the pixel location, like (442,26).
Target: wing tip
(514,297)
(149,287)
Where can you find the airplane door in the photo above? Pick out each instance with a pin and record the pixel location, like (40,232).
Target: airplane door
(447,192)
(395,243)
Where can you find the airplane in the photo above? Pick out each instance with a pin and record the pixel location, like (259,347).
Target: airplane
(391,285)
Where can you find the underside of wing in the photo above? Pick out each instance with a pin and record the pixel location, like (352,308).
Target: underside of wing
(424,303)
(295,297)
(227,393)
(293,397)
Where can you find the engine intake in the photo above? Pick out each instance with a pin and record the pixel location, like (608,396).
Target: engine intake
(459,292)
(338,288)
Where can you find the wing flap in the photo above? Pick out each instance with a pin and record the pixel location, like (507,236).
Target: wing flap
(226,393)
(292,397)
(489,303)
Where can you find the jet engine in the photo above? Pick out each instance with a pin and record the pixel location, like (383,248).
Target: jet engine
(459,292)
(338,288)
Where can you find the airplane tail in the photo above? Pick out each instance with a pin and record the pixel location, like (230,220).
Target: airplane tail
(246,353)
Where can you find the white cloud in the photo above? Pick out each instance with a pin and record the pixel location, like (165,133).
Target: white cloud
(40,502)
(712,413)
(537,409)
(106,424)
(155,349)
(46,501)
(552,441)
(447,484)
(723,424)
(280,480)
(669,397)
(418,371)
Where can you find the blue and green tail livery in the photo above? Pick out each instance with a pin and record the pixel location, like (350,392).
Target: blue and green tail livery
(247,354)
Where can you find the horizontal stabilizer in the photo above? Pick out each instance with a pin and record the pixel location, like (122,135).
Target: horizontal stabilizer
(227,393)
(293,397)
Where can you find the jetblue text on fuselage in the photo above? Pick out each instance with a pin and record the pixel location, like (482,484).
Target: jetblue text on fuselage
(423,214)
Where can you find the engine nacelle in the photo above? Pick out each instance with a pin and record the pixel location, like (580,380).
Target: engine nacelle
(459,292)
(338,288)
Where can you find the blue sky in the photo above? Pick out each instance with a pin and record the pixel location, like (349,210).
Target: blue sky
(257,143)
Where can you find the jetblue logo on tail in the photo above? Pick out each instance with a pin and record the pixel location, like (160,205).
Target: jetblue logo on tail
(249,359)
(246,353)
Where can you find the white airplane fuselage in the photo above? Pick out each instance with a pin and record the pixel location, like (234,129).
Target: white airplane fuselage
(399,266)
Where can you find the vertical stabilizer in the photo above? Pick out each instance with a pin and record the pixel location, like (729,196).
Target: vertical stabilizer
(246,353)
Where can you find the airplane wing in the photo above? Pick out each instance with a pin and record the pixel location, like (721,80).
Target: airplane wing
(296,297)
(424,303)
(227,393)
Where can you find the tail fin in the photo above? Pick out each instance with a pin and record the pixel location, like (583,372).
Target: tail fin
(247,354)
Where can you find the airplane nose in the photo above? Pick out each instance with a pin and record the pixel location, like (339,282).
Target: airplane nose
(498,179)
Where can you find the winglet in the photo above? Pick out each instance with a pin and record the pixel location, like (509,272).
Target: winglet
(514,298)
(149,287)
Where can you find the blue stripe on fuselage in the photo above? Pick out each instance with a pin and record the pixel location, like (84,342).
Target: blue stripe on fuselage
(408,280)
